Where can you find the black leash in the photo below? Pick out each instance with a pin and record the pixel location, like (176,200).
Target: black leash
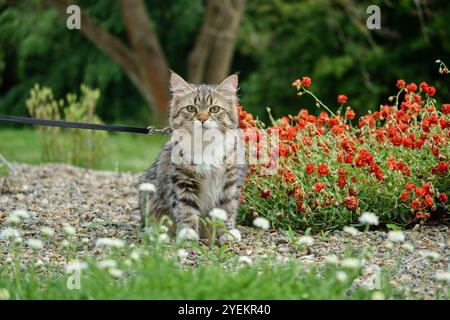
(81,125)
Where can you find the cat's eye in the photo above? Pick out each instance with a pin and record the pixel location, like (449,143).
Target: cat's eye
(191,109)
(214,109)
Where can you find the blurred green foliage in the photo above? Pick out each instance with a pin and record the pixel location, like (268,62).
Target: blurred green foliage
(279,41)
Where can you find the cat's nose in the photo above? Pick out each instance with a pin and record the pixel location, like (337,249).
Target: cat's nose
(202,117)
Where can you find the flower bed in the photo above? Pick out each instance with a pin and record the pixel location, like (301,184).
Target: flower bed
(393,162)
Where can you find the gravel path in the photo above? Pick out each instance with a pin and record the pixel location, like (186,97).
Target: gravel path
(98,204)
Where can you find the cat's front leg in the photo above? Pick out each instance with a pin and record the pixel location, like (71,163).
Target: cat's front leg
(185,204)
(230,201)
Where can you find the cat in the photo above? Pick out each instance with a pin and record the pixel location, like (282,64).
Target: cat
(187,191)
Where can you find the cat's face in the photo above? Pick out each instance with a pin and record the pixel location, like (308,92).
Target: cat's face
(205,106)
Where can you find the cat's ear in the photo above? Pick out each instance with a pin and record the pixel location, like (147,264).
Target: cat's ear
(178,85)
(229,85)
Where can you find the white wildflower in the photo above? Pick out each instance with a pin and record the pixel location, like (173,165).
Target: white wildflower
(9,233)
(351,230)
(187,234)
(235,234)
(245,260)
(35,244)
(332,259)
(69,230)
(164,238)
(442,276)
(18,240)
(4,294)
(368,218)
(147,187)
(163,229)
(135,255)
(396,236)
(20,213)
(408,247)
(341,276)
(378,295)
(306,240)
(107,263)
(127,262)
(218,214)
(115,273)
(182,254)
(261,223)
(351,263)
(13,220)
(85,240)
(110,242)
(431,255)
(47,232)
(76,265)
(65,244)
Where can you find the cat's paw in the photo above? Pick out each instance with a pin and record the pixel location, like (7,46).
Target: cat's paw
(187,234)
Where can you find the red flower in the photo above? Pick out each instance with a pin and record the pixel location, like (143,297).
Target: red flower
(409,186)
(342,98)
(445,108)
(400,83)
(442,167)
(309,168)
(351,192)
(306,82)
(416,204)
(350,114)
(404,196)
(322,169)
(420,192)
(422,215)
(428,201)
(319,186)
(442,198)
(412,87)
(351,203)
(289,177)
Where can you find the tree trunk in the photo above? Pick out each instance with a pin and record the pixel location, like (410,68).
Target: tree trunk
(210,60)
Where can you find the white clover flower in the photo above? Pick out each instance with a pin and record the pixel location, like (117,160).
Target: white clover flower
(76,265)
(341,276)
(351,230)
(64,244)
(396,236)
(13,220)
(218,214)
(35,244)
(368,218)
(127,262)
(69,230)
(431,255)
(107,263)
(164,238)
(182,254)
(4,294)
(351,263)
(9,233)
(147,187)
(39,263)
(408,247)
(378,295)
(187,234)
(110,242)
(245,260)
(20,213)
(115,273)
(85,240)
(332,259)
(18,240)
(306,241)
(261,223)
(135,255)
(442,276)
(235,234)
(163,229)
(47,232)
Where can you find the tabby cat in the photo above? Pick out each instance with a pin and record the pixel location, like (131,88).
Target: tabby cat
(187,191)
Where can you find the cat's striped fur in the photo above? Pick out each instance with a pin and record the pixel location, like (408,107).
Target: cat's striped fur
(187,192)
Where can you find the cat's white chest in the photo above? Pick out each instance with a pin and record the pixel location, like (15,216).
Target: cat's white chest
(211,186)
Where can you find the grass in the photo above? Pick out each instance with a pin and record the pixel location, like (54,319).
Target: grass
(125,152)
